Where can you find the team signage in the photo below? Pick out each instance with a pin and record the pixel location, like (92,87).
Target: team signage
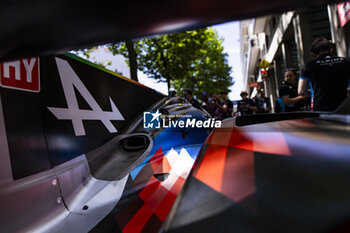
(21,74)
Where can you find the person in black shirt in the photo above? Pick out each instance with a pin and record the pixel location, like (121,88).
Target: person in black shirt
(227,105)
(172,93)
(188,96)
(246,106)
(205,101)
(262,103)
(215,108)
(289,94)
(326,75)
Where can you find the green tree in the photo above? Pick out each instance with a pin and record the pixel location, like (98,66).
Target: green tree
(86,54)
(188,60)
(128,50)
(210,70)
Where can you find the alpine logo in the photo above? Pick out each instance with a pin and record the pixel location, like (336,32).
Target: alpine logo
(69,80)
(21,74)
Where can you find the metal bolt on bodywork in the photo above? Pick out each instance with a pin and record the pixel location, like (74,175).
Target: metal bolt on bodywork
(59,200)
(54,182)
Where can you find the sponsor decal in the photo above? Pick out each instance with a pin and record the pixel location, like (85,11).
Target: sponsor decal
(329,61)
(21,74)
(156,120)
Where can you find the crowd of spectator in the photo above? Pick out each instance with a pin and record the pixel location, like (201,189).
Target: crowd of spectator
(220,107)
(259,104)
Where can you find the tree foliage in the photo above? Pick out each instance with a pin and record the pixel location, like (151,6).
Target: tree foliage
(86,54)
(189,60)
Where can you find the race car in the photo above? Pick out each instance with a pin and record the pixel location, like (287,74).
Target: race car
(83,149)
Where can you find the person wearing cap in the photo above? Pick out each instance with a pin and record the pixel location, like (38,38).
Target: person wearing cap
(289,94)
(246,106)
(326,75)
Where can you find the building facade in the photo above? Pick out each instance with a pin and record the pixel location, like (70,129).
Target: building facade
(284,41)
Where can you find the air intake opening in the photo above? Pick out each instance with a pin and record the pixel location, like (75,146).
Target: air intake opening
(135,143)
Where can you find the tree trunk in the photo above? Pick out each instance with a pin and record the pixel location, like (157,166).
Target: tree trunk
(165,63)
(168,82)
(132,59)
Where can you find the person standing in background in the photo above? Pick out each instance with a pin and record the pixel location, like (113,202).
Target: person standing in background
(262,103)
(189,97)
(205,101)
(327,76)
(289,94)
(246,106)
(227,105)
(215,108)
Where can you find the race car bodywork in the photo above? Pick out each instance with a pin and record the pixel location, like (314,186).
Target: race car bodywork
(75,154)
(284,176)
